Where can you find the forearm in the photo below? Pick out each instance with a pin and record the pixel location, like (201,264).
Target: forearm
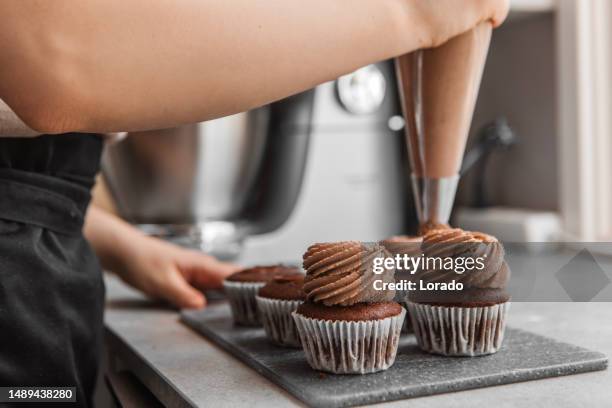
(159,269)
(11,125)
(110,237)
(108,65)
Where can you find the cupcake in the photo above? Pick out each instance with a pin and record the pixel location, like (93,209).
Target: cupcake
(276,302)
(241,289)
(346,325)
(409,246)
(461,303)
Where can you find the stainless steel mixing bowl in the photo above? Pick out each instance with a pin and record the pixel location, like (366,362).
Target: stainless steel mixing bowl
(205,185)
(188,183)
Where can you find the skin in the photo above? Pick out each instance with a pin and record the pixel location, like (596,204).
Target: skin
(99,66)
(157,268)
(116,65)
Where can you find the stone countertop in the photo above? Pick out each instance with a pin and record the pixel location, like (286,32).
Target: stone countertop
(182,368)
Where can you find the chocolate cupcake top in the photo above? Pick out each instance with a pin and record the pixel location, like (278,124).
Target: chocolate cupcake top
(355,313)
(481,285)
(289,287)
(263,273)
(341,273)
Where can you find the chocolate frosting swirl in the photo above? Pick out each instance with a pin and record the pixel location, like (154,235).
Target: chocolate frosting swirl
(486,285)
(341,273)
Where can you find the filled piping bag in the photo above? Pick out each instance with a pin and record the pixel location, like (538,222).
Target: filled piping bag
(438,88)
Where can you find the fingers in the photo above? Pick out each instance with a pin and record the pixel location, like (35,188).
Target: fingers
(205,271)
(180,293)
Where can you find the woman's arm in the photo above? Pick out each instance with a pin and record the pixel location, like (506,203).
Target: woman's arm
(114,65)
(159,269)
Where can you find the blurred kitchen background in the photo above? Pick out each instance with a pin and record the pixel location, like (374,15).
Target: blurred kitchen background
(331,163)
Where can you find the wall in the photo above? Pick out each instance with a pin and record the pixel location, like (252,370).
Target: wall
(520,84)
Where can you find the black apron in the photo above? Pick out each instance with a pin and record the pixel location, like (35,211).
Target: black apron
(51,288)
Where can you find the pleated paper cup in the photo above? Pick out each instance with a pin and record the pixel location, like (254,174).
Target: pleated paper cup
(275,314)
(407,326)
(459,331)
(241,296)
(350,347)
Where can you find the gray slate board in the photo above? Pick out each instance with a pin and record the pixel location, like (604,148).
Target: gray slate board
(525,356)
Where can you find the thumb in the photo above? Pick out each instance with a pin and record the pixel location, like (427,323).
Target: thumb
(182,294)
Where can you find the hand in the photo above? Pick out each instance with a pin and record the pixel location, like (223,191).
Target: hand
(165,271)
(445,19)
(159,269)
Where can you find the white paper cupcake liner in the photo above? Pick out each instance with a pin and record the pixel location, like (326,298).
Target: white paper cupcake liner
(348,347)
(275,314)
(407,326)
(459,331)
(241,296)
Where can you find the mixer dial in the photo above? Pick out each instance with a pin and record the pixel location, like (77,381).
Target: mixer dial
(363,91)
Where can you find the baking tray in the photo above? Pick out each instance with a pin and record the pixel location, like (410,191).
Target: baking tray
(524,356)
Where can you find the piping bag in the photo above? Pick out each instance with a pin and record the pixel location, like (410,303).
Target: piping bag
(438,88)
